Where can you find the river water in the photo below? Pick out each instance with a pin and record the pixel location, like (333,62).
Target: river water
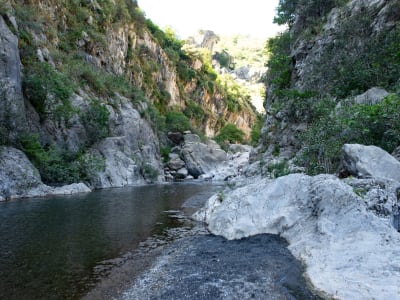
(50,247)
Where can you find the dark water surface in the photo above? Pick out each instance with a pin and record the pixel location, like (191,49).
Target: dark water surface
(50,246)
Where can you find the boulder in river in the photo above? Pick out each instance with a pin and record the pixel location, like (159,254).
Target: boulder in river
(349,252)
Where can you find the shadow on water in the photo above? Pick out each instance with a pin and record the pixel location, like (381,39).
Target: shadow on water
(50,246)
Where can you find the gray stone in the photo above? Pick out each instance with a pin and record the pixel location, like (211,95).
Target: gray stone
(12,112)
(349,252)
(17,175)
(74,188)
(182,172)
(370,161)
(235,148)
(372,96)
(191,138)
(176,163)
(132,155)
(201,158)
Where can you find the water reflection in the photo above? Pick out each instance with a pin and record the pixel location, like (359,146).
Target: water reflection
(49,246)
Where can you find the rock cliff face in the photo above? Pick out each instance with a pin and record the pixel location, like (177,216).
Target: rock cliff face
(12,114)
(84,86)
(332,51)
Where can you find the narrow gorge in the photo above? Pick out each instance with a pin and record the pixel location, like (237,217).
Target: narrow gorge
(245,167)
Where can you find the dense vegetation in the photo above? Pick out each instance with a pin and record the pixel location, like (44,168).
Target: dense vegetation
(63,55)
(360,58)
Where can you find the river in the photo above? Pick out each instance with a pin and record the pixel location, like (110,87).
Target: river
(50,247)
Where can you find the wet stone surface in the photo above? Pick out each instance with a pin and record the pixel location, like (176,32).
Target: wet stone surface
(204,266)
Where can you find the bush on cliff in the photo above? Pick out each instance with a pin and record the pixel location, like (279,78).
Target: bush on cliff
(229,133)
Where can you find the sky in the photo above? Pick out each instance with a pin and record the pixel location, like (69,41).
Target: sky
(224,17)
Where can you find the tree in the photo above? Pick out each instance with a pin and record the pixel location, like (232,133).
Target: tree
(230,133)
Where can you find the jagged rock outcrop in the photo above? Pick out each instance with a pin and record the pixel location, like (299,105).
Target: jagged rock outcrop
(20,179)
(204,39)
(195,159)
(333,60)
(201,158)
(12,113)
(327,227)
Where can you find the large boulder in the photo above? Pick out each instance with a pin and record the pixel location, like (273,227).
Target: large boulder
(20,179)
(17,175)
(131,155)
(349,252)
(201,158)
(370,161)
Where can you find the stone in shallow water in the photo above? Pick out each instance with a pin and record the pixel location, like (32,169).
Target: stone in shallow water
(211,267)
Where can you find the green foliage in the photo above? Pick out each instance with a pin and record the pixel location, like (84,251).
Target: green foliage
(377,62)
(278,169)
(165,151)
(297,105)
(194,111)
(48,90)
(3,8)
(377,124)
(307,12)
(96,121)
(177,121)
(276,151)
(255,133)
(149,172)
(280,63)
(229,133)
(224,59)
(57,166)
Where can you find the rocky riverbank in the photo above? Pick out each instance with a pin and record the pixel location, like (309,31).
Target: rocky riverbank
(197,265)
(345,231)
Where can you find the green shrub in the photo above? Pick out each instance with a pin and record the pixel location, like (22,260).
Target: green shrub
(194,111)
(165,151)
(229,133)
(177,121)
(57,166)
(377,124)
(280,62)
(53,165)
(255,133)
(96,121)
(47,89)
(149,172)
(278,169)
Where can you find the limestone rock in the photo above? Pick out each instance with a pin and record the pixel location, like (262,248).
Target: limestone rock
(372,96)
(201,158)
(131,155)
(17,175)
(181,174)
(349,252)
(74,188)
(12,112)
(20,179)
(370,161)
(176,163)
